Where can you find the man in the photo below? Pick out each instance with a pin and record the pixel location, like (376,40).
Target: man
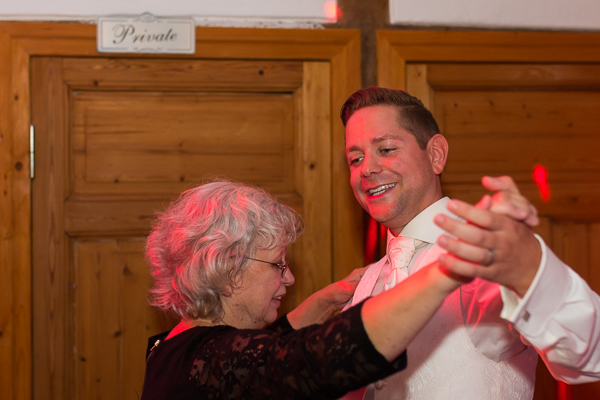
(545,300)
(467,351)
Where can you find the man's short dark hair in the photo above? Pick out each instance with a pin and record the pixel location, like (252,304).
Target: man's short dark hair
(413,116)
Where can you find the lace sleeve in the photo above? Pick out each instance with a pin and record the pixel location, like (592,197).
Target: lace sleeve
(317,362)
(280,325)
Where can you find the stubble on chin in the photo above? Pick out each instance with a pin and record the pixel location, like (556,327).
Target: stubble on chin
(399,214)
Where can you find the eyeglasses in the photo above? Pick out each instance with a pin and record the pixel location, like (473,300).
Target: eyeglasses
(282,266)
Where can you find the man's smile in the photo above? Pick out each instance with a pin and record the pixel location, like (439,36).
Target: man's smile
(379,190)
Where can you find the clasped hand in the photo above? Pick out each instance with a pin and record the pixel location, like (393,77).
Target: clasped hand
(495,241)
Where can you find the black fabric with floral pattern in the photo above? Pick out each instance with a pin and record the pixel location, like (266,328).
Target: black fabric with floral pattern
(220,362)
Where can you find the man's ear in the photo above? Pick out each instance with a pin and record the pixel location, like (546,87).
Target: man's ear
(437,148)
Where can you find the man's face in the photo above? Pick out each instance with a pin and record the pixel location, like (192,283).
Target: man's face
(392,178)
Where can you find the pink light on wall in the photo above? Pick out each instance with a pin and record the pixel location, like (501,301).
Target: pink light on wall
(332,11)
(540,177)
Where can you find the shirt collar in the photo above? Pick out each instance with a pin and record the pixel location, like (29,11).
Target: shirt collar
(422,226)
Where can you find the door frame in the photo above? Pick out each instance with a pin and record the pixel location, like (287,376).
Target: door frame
(397,48)
(20,41)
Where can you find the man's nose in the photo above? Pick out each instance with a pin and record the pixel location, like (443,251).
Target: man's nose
(370,166)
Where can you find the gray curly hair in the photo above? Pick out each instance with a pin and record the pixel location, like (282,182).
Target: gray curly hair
(197,245)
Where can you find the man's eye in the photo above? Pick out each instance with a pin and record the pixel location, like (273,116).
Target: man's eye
(355,160)
(387,150)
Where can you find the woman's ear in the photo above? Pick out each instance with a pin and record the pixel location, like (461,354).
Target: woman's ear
(227,291)
(437,148)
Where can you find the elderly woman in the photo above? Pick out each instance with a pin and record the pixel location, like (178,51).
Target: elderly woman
(218,261)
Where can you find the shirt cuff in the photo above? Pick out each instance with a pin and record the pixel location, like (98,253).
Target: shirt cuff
(549,288)
(511,299)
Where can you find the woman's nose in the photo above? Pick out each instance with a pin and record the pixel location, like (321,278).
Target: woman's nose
(288,278)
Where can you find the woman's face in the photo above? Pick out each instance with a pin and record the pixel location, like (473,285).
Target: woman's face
(254,302)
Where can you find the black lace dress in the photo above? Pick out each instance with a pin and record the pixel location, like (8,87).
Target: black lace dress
(221,362)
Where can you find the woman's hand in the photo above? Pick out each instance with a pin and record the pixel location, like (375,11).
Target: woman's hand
(508,200)
(339,293)
(323,304)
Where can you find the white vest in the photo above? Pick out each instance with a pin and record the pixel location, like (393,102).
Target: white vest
(443,361)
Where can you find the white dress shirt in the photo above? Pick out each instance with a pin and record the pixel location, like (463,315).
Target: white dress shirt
(560,316)
(466,351)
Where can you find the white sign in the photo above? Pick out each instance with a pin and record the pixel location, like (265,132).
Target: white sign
(146,34)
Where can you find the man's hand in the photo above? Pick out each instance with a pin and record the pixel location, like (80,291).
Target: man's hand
(499,248)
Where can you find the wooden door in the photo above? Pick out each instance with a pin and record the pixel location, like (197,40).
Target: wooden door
(116,140)
(503,113)
(20,44)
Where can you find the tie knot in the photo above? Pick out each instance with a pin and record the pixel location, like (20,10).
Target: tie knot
(401,243)
(401,250)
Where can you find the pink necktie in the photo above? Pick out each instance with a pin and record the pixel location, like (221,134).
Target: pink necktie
(401,251)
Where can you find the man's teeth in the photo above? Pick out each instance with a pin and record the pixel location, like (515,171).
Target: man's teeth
(380,189)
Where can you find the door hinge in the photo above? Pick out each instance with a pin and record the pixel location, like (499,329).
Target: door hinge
(31,151)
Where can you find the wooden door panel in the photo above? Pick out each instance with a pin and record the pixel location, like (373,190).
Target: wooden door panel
(578,245)
(109,217)
(507,118)
(111,315)
(117,153)
(52,294)
(156,143)
(83,218)
(183,74)
(512,76)
(504,119)
(510,132)
(313,181)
